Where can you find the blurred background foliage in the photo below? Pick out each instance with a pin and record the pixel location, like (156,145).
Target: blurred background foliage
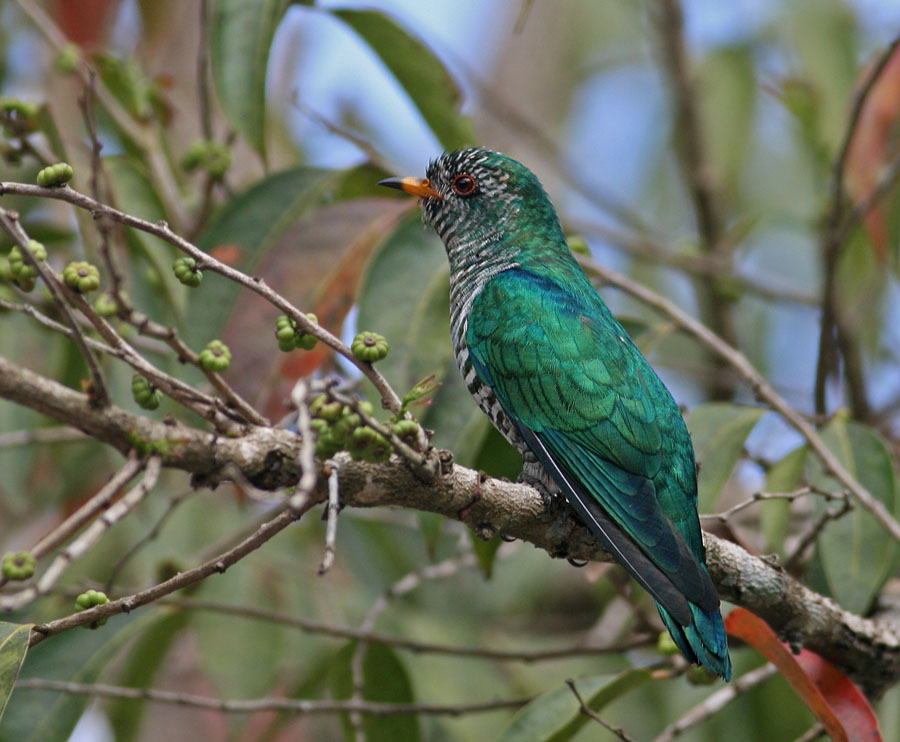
(315,103)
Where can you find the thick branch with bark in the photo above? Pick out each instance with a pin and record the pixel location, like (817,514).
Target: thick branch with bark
(869,650)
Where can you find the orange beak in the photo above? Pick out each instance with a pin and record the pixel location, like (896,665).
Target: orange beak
(416,186)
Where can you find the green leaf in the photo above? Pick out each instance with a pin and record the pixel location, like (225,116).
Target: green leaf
(77,656)
(718,430)
(485,552)
(431,525)
(13,647)
(251,222)
(251,666)
(418,71)
(783,476)
(856,554)
(241,38)
(144,662)
(385,679)
(404,296)
(556,715)
(728,82)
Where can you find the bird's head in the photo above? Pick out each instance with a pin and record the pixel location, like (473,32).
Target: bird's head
(476,196)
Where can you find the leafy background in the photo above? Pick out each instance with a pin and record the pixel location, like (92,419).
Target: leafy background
(318,101)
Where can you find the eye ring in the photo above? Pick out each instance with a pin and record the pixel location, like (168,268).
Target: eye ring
(463,185)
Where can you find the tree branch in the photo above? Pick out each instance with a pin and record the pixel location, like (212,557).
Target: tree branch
(869,650)
(292,705)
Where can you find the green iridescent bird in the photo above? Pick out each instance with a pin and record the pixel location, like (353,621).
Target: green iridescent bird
(559,377)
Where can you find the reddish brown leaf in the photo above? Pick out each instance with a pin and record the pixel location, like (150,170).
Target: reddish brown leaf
(85,21)
(873,144)
(830,695)
(228,254)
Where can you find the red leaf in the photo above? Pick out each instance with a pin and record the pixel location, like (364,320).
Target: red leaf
(85,21)
(872,145)
(830,695)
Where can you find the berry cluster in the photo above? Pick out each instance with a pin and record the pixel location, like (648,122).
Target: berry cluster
(145,394)
(90,599)
(187,272)
(289,336)
(23,274)
(213,157)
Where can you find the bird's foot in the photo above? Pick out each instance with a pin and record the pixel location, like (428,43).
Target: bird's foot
(533,480)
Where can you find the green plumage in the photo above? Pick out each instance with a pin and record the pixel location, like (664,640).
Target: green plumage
(561,379)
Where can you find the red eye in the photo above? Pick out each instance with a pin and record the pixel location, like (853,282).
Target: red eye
(464,185)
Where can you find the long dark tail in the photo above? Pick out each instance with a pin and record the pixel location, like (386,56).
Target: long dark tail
(703,641)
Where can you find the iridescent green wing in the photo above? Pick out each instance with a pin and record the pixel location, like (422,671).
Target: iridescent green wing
(601,423)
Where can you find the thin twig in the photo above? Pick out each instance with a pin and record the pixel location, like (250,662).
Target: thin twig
(43,436)
(216,565)
(588,711)
(370,708)
(761,497)
(763,390)
(100,501)
(809,538)
(114,571)
(332,508)
(80,546)
(162,230)
(577,649)
(9,220)
(816,731)
(715,702)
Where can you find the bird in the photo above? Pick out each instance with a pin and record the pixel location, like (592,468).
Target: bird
(562,381)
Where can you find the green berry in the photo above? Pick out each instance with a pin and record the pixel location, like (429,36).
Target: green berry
(344,427)
(17,265)
(366,444)
(55,175)
(81,277)
(698,675)
(90,599)
(186,271)
(304,340)
(318,426)
(285,333)
(213,157)
(68,59)
(25,284)
(369,347)
(215,356)
(145,394)
(407,431)
(665,644)
(289,336)
(106,305)
(327,445)
(18,117)
(329,411)
(19,565)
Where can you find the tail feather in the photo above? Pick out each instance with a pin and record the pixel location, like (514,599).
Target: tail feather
(703,641)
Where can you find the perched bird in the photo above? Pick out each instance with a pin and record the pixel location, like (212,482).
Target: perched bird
(563,382)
